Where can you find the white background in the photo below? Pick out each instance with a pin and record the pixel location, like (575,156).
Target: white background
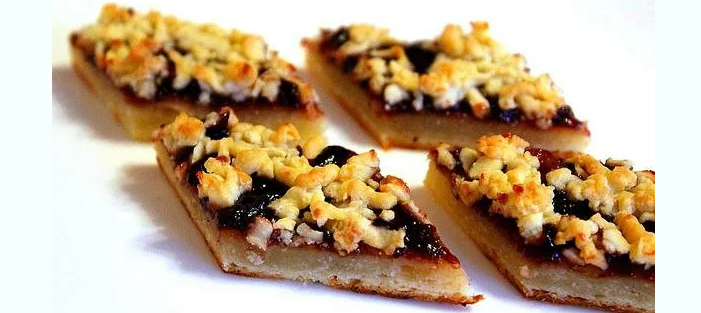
(122,242)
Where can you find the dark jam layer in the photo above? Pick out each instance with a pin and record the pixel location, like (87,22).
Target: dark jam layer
(332,155)
(545,249)
(564,205)
(220,129)
(421,55)
(251,204)
(335,40)
(328,235)
(196,167)
(548,161)
(421,239)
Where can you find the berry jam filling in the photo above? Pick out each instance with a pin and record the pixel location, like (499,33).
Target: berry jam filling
(328,235)
(458,169)
(548,248)
(564,205)
(288,94)
(220,129)
(620,264)
(419,237)
(565,116)
(548,161)
(191,91)
(336,39)
(424,239)
(511,116)
(182,155)
(251,204)
(198,166)
(420,57)
(349,63)
(332,155)
(164,86)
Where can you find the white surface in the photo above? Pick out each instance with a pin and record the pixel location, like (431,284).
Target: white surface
(122,242)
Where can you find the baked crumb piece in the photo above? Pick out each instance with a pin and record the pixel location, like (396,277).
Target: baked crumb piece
(221,183)
(259,232)
(642,242)
(155,56)
(271,185)
(598,207)
(457,71)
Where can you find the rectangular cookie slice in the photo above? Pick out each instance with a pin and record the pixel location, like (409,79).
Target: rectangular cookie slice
(272,205)
(146,68)
(561,226)
(452,89)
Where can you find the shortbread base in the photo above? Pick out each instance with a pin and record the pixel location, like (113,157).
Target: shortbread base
(140,118)
(419,279)
(538,280)
(425,130)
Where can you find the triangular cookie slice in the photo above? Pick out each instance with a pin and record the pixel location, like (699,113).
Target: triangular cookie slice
(561,226)
(273,205)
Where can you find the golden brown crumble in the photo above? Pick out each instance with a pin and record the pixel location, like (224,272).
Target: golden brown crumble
(464,67)
(146,53)
(502,170)
(184,131)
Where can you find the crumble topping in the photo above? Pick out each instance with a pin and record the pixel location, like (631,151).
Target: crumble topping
(597,209)
(184,131)
(517,190)
(155,56)
(313,197)
(362,37)
(457,71)
(642,243)
(221,183)
(312,147)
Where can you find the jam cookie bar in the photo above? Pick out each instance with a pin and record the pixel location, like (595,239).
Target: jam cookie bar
(561,226)
(452,89)
(149,67)
(272,205)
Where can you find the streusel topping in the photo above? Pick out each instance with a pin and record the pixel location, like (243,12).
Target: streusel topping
(279,188)
(596,209)
(156,56)
(458,71)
